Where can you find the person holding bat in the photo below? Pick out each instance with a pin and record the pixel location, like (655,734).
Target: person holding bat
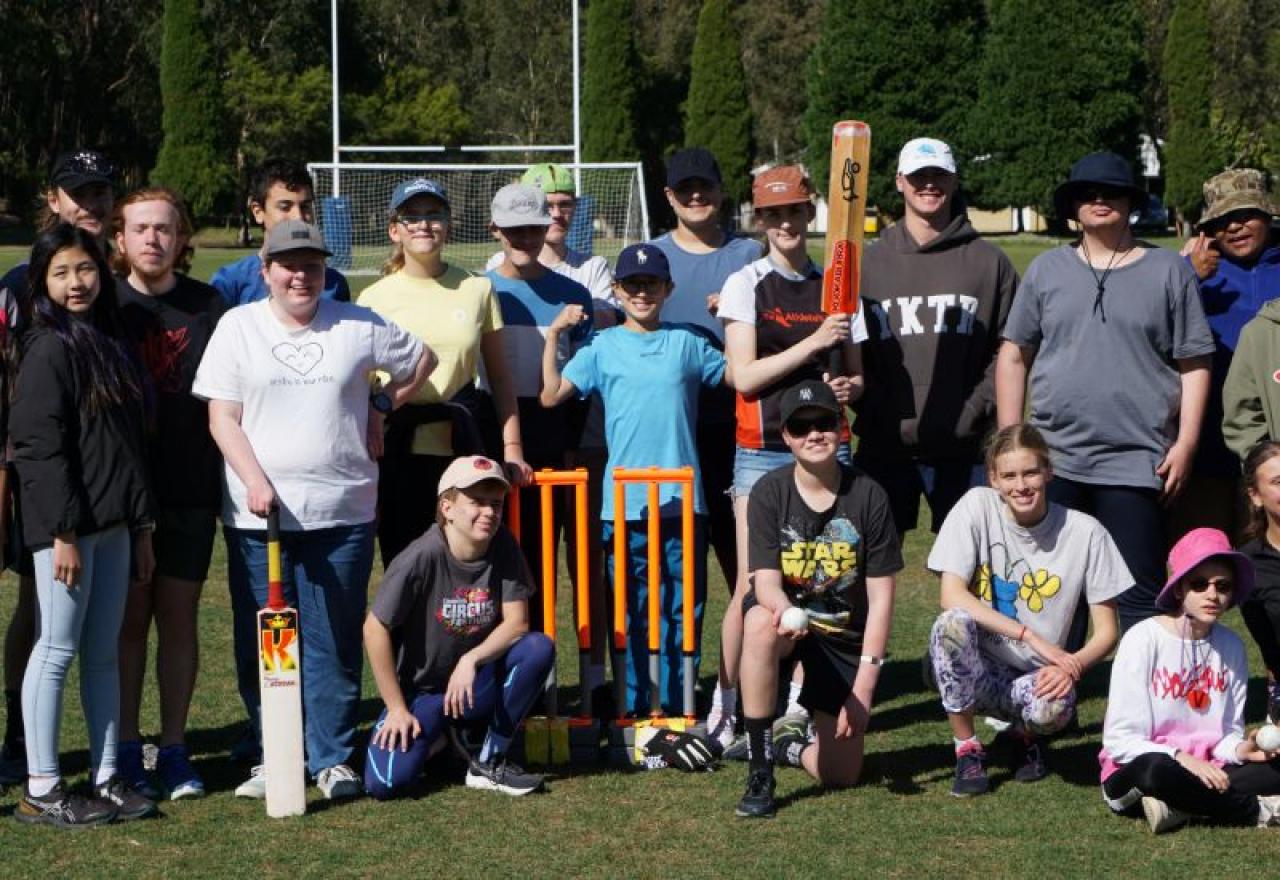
(822,543)
(448,639)
(776,335)
(1237,261)
(936,297)
(79,452)
(1112,335)
(1174,744)
(287,380)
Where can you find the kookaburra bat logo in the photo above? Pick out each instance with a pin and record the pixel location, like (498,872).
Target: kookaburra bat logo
(847,177)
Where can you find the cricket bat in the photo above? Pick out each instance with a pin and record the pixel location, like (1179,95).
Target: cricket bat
(280,686)
(846,214)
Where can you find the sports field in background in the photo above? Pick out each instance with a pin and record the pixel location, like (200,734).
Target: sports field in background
(900,822)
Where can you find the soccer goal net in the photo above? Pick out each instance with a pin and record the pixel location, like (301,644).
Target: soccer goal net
(352,207)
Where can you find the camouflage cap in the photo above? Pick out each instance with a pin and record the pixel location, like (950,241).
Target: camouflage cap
(1235,190)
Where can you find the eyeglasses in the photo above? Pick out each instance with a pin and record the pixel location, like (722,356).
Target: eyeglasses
(1101,191)
(436,218)
(800,426)
(638,285)
(1224,586)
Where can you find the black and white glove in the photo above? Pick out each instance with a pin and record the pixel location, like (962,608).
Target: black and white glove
(683,751)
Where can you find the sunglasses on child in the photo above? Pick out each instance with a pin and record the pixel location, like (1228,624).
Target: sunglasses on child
(1224,586)
(800,426)
(1100,191)
(434,217)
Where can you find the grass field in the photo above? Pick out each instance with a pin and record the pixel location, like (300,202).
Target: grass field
(900,822)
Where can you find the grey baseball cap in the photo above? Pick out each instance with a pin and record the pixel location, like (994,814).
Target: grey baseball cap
(519,204)
(294,235)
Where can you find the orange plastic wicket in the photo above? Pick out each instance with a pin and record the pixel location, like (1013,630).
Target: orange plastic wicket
(654,477)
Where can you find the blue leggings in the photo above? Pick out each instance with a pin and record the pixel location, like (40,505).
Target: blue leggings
(521,671)
(84,620)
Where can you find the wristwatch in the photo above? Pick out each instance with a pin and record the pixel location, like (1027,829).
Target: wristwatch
(381,402)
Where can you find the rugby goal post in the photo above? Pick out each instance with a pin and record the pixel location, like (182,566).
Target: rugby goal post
(352,202)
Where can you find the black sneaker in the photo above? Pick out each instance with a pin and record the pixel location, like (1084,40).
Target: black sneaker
(129,803)
(971,773)
(757,800)
(1032,767)
(61,810)
(502,775)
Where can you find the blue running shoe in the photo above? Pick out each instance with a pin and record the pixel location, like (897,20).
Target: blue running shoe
(130,769)
(177,775)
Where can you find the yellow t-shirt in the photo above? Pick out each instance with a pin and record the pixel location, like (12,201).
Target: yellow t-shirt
(450,314)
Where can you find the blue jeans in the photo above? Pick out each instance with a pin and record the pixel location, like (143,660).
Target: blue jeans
(941,482)
(519,674)
(326,577)
(1135,520)
(672,609)
(84,620)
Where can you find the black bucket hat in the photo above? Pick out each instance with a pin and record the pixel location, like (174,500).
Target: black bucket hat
(1097,169)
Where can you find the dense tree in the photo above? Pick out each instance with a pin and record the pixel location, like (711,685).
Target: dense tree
(276,112)
(192,159)
(716,112)
(910,73)
(1192,153)
(610,75)
(777,36)
(1245,48)
(1058,79)
(408,108)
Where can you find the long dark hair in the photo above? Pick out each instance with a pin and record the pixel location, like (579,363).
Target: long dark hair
(99,352)
(1256,458)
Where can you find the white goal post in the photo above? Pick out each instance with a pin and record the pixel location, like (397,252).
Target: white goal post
(352,197)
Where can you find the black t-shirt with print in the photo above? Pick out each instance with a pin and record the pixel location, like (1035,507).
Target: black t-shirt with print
(439,607)
(170,333)
(825,556)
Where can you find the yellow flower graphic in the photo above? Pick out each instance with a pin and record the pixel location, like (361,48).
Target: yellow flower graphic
(1036,587)
(981,586)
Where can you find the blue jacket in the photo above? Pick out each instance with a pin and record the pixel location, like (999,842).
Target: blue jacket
(241,282)
(1232,296)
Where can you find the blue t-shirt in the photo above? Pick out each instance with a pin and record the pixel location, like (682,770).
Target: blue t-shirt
(696,275)
(241,282)
(528,308)
(649,383)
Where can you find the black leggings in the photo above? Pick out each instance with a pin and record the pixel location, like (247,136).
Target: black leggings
(1262,615)
(1157,775)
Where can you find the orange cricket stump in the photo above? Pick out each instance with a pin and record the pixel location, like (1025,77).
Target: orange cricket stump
(550,739)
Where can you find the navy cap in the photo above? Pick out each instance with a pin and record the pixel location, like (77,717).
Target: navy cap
(418,187)
(810,393)
(81,168)
(1097,169)
(642,259)
(690,163)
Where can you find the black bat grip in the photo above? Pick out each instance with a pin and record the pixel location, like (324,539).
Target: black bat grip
(273,524)
(835,361)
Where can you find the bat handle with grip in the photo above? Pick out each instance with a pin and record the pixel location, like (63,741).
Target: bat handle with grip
(835,361)
(275,586)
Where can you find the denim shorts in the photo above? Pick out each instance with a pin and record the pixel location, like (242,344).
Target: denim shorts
(749,465)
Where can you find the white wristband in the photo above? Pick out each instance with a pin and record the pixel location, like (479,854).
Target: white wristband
(873,661)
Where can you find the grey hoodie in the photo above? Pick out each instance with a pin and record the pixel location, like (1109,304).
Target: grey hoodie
(934,319)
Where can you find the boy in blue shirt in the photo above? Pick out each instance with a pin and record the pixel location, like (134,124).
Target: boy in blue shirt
(649,375)
(281,189)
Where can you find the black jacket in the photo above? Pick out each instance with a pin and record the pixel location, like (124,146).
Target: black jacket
(76,473)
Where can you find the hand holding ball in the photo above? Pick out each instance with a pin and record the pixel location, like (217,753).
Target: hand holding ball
(797,620)
(1268,738)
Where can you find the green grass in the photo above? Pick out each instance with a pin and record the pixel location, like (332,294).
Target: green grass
(900,822)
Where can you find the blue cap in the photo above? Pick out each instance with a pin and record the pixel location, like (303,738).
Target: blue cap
(642,259)
(417,187)
(690,163)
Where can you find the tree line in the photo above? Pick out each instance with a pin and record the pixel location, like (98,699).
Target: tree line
(196,92)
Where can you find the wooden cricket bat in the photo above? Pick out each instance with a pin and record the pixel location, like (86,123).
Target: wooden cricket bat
(280,687)
(846,214)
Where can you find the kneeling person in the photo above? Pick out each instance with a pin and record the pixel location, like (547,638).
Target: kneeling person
(822,539)
(448,638)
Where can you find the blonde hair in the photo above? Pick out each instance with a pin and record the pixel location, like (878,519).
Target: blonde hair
(1014,437)
(186,229)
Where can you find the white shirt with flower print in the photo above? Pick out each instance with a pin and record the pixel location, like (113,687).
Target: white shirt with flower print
(1033,575)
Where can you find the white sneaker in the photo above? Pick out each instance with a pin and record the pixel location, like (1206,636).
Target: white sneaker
(1268,810)
(255,786)
(339,781)
(1161,817)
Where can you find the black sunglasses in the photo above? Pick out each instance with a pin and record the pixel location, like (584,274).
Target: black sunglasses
(1105,192)
(800,426)
(1224,586)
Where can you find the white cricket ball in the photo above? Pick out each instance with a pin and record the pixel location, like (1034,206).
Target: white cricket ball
(1268,738)
(797,619)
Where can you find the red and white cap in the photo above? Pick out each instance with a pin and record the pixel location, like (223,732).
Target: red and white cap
(465,472)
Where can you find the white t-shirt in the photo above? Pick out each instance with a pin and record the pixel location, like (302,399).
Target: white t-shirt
(1033,575)
(305,399)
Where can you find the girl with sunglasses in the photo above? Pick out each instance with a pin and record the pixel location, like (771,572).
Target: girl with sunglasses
(1173,742)
(1013,567)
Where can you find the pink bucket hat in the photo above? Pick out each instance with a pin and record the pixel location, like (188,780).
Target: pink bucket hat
(1194,548)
